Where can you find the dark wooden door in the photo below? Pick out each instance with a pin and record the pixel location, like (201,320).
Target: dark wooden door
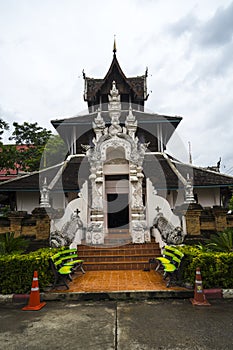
(118,210)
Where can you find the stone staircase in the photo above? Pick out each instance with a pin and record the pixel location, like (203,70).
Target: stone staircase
(122,257)
(117,237)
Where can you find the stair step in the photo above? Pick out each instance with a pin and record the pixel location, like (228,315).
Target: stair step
(118,231)
(117,265)
(127,257)
(113,250)
(110,243)
(127,246)
(116,239)
(117,258)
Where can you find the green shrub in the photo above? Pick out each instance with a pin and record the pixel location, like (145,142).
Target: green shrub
(221,241)
(216,267)
(231,203)
(10,244)
(16,271)
(4,210)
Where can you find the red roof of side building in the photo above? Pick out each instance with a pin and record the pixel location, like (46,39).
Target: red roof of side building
(7,174)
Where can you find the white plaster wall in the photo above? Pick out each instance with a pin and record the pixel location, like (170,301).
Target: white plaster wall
(115,169)
(27,201)
(58,200)
(173,197)
(208,197)
(178,197)
(80,203)
(153,202)
(170,199)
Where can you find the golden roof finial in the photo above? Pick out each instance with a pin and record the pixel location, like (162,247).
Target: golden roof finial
(114,45)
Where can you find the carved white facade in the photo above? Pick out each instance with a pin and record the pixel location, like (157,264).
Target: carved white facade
(116,145)
(115,159)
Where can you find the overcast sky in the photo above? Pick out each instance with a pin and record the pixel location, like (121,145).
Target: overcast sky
(187,46)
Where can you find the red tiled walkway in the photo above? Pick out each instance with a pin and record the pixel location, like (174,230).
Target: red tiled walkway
(117,280)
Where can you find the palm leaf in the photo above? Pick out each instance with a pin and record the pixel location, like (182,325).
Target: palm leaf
(222,241)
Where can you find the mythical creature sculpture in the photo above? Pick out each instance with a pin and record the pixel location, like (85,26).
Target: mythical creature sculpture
(70,233)
(170,234)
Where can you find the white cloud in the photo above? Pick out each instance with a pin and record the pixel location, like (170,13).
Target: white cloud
(187,46)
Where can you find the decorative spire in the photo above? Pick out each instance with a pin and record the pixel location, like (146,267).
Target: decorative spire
(114,108)
(114,99)
(98,125)
(190,153)
(114,46)
(44,195)
(131,123)
(189,196)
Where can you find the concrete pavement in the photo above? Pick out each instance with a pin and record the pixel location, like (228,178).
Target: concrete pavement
(111,325)
(118,295)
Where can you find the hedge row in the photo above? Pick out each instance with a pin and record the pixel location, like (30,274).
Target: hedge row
(16,271)
(216,267)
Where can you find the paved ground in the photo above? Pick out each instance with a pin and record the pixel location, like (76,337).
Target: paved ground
(118,280)
(162,324)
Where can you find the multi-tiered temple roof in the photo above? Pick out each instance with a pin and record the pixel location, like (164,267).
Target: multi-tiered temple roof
(153,128)
(133,90)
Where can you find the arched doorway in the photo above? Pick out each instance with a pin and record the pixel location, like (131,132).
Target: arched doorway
(116,188)
(117,196)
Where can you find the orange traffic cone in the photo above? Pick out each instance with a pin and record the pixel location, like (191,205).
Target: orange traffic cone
(199,296)
(34,299)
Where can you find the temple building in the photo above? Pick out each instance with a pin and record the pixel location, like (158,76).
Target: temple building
(117,176)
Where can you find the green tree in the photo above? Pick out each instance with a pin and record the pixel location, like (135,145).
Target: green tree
(3,126)
(55,151)
(34,137)
(30,134)
(6,154)
(40,148)
(7,157)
